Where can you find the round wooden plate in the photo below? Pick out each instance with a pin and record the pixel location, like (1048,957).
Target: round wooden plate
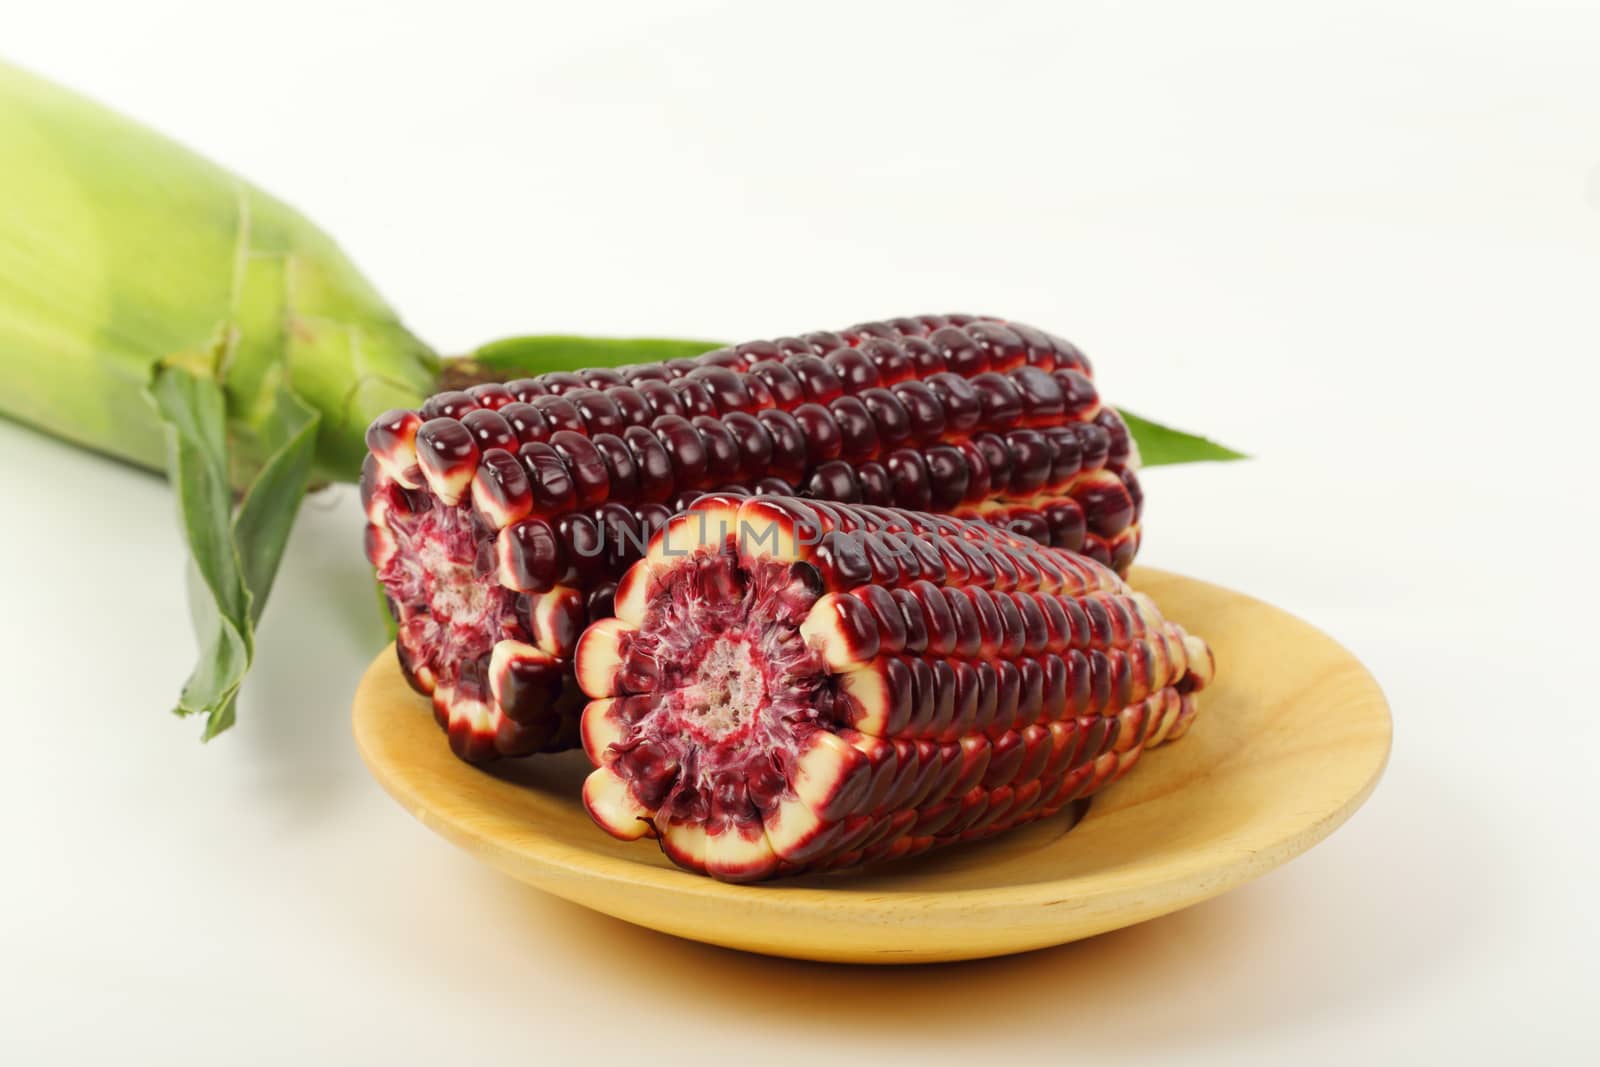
(1289,741)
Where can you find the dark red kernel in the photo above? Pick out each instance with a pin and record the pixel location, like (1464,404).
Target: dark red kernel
(789,450)
(723,458)
(587,465)
(685,449)
(822,437)
(561,413)
(451,405)
(948,476)
(858,434)
(820,383)
(652,464)
(554,490)
(889,415)
(621,471)
(526,421)
(489,429)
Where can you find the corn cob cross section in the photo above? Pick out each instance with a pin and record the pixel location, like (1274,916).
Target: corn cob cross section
(501,516)
(792,685)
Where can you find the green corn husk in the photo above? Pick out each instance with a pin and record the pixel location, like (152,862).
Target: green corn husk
(156,308)
(162,311)
(123,254)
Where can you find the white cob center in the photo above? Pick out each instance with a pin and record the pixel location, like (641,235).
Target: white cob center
(457,593)
(729,689)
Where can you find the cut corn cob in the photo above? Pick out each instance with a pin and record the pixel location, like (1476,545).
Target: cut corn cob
(501,515)
(793,685)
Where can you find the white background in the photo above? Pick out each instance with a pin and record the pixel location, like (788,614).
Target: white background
(1358,240)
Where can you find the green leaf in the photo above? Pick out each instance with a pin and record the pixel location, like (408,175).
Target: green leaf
(236,556)
(1162,445)
(193,412)
(261,528)
(549,352)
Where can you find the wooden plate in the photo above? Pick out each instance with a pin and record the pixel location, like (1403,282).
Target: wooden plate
(1289,741)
